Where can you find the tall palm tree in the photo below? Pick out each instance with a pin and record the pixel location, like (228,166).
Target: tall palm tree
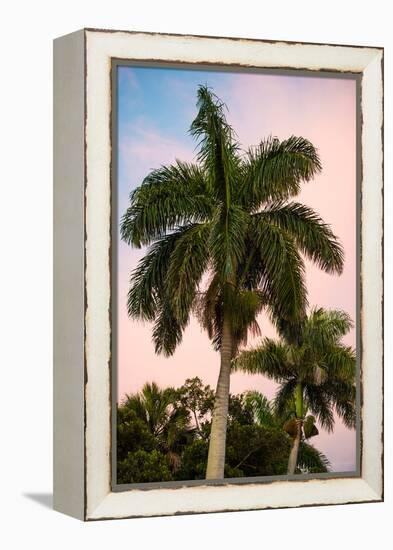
(265,414)
(227,215)
(315,370)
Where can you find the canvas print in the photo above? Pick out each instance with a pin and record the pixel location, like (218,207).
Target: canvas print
(234,274)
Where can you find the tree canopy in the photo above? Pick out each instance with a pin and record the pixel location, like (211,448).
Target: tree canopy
(256,445)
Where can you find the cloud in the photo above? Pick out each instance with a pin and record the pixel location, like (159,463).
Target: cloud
(128,81)
(144,148)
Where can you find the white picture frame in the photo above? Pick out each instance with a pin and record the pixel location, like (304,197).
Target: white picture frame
(82,241)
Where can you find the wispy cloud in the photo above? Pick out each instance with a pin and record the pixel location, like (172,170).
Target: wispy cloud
(146,147)
(143,148)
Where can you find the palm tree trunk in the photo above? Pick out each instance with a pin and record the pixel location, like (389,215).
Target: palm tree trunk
(292,461)
(216,456)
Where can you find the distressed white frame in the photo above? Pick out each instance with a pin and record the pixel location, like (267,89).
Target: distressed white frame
(100,47)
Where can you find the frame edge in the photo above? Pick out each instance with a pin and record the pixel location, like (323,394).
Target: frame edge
(68,288)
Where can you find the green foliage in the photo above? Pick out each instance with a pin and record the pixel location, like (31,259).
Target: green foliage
(280,269)
(239,411)
(143,467)
(274,170)
(270,359)
(254,450)
(198,399)
(132,434)
(194,459)
(169,197)
(156,407)
(311,235)
(312,461)
(163,435)
(147,279)
(188,263)
(139,458)
(262,409)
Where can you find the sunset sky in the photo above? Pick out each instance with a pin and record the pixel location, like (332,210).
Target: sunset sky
(155,109)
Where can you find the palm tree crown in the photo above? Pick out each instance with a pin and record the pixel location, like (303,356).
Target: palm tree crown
(227,215)
(157,408)
(167,420)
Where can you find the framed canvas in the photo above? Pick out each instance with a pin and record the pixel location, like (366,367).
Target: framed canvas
(218,274)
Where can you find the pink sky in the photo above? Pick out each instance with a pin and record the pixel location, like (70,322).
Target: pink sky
(320,109)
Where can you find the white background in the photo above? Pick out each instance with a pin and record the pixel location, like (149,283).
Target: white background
(28,28)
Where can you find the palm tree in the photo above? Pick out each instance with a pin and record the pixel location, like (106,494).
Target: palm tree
(265,414)
(165,418)
(229,216)
(315,370)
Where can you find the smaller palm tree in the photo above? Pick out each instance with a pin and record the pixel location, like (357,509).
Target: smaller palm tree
(310,459)
(167,420)
(315,370)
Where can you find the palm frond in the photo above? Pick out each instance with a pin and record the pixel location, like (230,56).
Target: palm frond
(284,403)
(206,303)
(275,169)
(262,408)
(324,328)
(169,197)
(227,240)
(187,263)
(216,143)
(320,405)
(281,270)
(340,362)
(167,329)
(311,460)
(269,359)
(313,237)
(147,281)
(342,396)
